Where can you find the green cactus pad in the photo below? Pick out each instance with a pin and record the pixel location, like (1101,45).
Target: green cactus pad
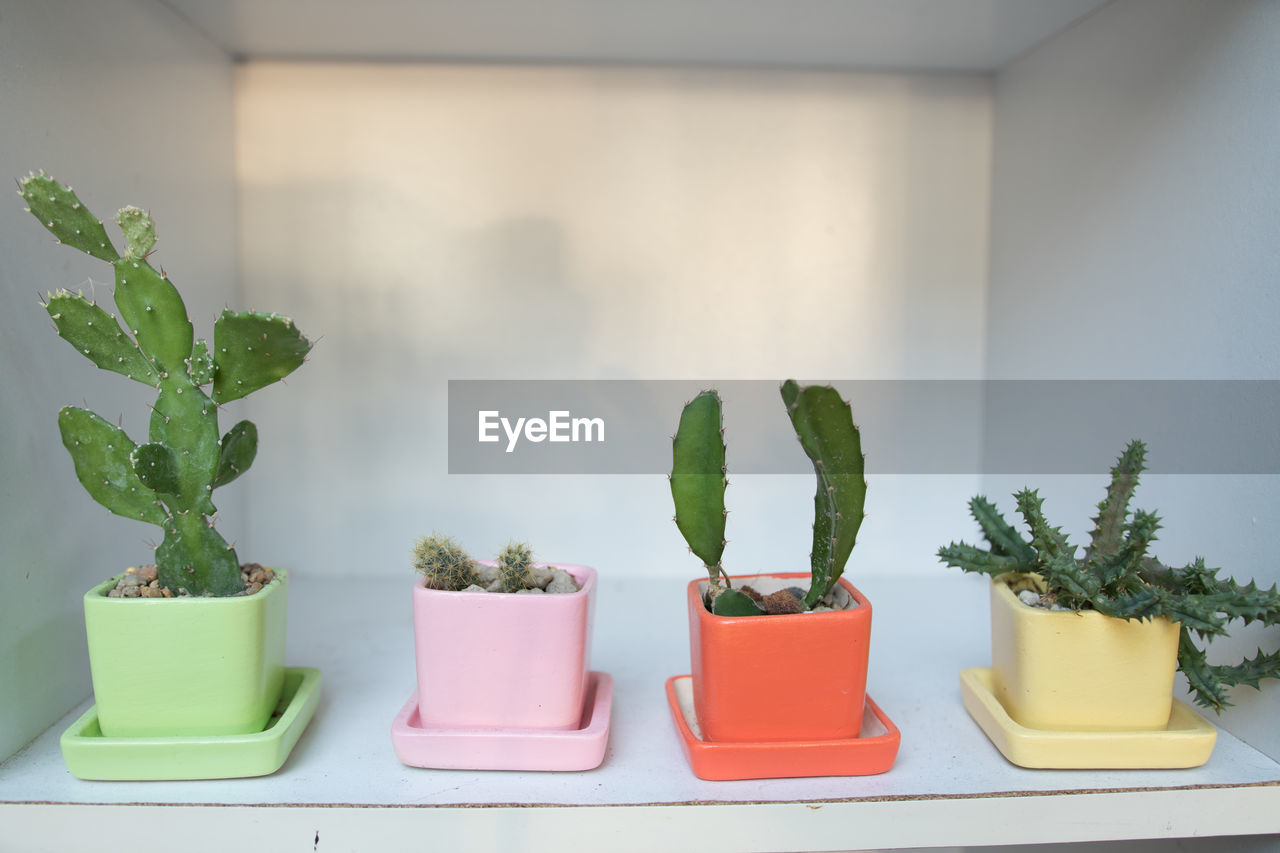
(252,350)
(152,308)
(824,424)
(238,449)
(183,417)
(60,211)
(200,364)
(194,556)
(157,468)
(139,231)
(101,453)
(98,337)
(698,479)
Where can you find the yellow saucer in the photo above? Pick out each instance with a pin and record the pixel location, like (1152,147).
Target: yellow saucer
(1186,742)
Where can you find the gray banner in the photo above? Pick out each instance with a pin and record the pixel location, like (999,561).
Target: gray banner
(908,426)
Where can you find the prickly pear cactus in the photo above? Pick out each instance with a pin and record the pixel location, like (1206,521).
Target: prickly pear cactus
(514,562)
(823,423)
(443,563)
(169,479)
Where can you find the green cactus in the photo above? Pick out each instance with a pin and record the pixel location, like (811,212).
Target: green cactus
(823,423)
(169,480)
(1116,577)
(443,564)
(698,480)
(514,564)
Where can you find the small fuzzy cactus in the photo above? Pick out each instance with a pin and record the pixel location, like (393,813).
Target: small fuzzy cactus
(823,423)
(514,564)
(1116,577)
(169,480)
(443,564)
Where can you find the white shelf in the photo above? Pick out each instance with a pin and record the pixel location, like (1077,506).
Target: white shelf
(939,35)
(948,787)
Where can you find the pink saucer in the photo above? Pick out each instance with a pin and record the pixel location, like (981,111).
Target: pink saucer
(509,749)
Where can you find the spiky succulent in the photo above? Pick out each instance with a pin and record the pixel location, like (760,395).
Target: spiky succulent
(443,564)
(514,563)
(823,423)
(1116,577)
(169,480)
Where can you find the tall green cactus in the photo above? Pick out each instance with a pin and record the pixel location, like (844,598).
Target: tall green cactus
(169,480)
(823,423)
(1116,577)
(698,480)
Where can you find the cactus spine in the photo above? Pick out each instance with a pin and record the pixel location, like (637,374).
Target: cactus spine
(514,564)
(169,480)
(1116,577)
(823,423)
(443,563)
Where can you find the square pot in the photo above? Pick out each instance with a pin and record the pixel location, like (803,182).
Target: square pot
(503,660)
(165,667)
(793,677)
(1080,670)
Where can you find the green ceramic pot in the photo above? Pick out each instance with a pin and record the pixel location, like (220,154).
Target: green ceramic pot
(167,667)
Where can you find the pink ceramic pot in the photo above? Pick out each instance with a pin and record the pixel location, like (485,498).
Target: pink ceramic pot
(504,660)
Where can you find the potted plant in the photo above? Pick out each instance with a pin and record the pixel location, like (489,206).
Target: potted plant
(503,651)
(756,679)
(221,626)
(1091,642)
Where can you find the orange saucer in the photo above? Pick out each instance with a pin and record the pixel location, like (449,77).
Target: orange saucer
(873,751)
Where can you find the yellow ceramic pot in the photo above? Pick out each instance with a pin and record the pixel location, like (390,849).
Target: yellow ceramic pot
(1079,671)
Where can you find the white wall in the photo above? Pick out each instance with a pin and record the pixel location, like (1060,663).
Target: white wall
(121,99)
(460,222)
(1134,227)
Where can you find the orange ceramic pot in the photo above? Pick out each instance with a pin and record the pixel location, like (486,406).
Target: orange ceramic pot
(796,677)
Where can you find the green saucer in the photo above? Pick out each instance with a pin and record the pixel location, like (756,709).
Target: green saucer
(90,755)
